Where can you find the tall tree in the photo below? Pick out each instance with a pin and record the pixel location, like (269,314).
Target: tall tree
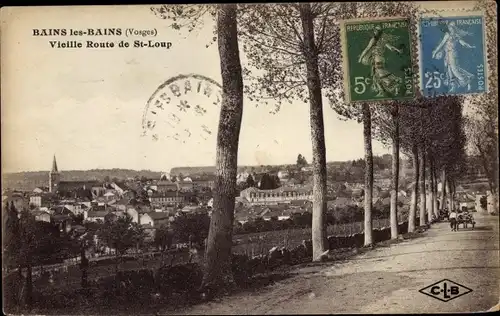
(422,190)
(217,269)
(290,45)
(414,192)
(121,235)
(319,240)
(367,137)
(385,116)
(250,182)
(301,161)
(483,124)
(387,130)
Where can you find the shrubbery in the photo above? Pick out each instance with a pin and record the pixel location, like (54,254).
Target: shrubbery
(344,215)
(179,284)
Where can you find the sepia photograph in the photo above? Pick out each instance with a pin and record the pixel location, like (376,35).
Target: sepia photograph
(249,159)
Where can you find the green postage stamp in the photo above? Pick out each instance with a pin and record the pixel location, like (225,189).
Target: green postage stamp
(377,56)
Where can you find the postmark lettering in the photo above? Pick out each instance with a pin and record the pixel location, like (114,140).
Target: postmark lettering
(180,107)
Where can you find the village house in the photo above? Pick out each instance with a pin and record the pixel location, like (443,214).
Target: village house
(154,219)
(40,190)
(95,216)
(98,191)
(63,221)
(41,216)
(185,186)
(75,207)
(134,214)
(122,204)
(109,196)
(163,186)
(167,198)
(37,200)
(61,210)
(283,175)
(203,185)
(242,177)
(191,209)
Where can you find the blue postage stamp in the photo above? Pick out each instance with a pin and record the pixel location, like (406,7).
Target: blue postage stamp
(452,55)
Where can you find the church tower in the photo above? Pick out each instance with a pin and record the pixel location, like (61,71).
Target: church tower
(54,177)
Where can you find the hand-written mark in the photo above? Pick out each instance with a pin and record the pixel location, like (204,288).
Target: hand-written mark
(188,132)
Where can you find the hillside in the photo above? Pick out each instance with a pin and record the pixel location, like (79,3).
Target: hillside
(32,179)
(211,169)
(380,162)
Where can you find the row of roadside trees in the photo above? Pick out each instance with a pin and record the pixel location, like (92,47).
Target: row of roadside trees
(292,53)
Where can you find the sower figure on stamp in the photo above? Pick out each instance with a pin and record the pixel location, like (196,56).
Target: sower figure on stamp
(456,75)
(373,55)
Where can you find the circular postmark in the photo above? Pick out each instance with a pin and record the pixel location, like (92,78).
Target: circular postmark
(184,108)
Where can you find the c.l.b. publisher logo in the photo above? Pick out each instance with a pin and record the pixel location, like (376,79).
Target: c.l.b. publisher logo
(445,290)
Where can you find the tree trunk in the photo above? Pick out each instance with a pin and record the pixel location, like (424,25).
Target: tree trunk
(29,286)
(450,194)
(430,207)
(422,186)
(367,135)
(430,191)
(395,173)
(217,269)
(484,162)
(319,238)
(434,191)
(84,268)
(414,192)
(443,189)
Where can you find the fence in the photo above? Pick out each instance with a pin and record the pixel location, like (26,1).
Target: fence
(260,243)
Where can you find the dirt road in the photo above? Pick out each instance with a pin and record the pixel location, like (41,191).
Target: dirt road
(386,280)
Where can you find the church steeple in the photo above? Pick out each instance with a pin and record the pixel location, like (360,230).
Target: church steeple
(54,177)
(54,165)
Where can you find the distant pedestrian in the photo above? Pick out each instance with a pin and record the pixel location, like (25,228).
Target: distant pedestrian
(453,220)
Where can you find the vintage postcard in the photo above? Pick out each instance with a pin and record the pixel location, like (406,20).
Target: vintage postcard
(285,158)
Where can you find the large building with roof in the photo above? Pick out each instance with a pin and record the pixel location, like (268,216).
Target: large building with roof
(256,196)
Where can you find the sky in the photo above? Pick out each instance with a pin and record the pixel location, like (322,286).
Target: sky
(86,105)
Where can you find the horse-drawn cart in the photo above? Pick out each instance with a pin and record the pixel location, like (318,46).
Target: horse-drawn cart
(465,219)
